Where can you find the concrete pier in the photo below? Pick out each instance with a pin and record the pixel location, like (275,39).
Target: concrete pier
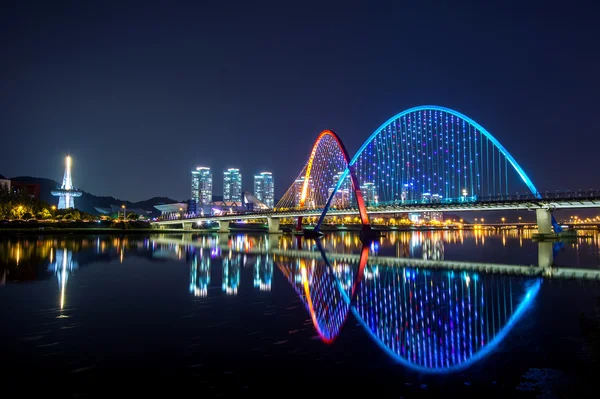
(273,224)
(544,223)
(223,226)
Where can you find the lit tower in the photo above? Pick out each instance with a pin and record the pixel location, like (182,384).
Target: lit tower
(66,192)
(232,185)
(202,185)
(264,189)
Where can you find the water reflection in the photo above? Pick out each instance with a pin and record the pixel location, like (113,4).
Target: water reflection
(232,263)
(263,273)
(438,321)
(427,313)
(429,321)
(62,267)
(200,274)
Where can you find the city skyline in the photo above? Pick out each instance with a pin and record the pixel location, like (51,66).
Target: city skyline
(264,98)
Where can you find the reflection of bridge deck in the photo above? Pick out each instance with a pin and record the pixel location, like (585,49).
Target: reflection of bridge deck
(495,268)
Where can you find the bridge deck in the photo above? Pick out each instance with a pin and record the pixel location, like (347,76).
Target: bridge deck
(516,204)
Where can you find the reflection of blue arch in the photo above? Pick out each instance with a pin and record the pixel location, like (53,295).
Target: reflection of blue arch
(487,350)
(489,136)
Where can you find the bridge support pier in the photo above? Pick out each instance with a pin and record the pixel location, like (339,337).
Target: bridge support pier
(367,234)
(299,224)
(273,225)
(223,226)
(187,225)
(545,253)
(544,223)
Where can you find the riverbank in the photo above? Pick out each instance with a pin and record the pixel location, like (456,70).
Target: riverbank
(80,230)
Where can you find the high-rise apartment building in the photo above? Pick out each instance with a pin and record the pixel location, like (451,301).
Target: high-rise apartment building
(344,195)
(369,193)
(264,188)
(232,185)
(298,187)
(202,185)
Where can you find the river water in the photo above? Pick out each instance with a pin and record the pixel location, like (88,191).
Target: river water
(235,314)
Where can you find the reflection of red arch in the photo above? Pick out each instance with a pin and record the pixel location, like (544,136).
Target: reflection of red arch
(364,217)
(311,310)
(364,256)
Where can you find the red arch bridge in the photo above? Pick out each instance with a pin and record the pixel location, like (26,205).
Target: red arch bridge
(424,159)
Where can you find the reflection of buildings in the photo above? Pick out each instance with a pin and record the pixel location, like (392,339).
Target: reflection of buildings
(231,273)
(62,267)
(432,248)
(427,245)
(200,275)
(232,185)
(263,272)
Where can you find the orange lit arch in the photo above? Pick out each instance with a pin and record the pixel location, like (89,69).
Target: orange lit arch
(364,217)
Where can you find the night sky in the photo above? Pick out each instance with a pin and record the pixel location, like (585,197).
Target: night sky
(139,92)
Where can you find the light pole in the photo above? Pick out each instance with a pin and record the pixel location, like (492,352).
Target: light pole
(53,207)
(124,212)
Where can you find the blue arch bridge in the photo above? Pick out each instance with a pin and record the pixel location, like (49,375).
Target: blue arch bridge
(424,159)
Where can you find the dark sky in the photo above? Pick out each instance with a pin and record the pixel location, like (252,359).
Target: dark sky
(142,91)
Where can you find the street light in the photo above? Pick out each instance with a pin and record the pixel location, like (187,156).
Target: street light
(503,220)
(124,212)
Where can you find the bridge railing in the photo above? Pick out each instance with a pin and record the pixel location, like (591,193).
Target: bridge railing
(566,195)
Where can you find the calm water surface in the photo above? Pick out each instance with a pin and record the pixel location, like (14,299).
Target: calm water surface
(215,315)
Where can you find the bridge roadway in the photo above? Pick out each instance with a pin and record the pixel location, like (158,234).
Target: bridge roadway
(518,204)
(489,268)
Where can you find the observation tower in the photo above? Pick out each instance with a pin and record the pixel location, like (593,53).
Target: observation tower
(66,192)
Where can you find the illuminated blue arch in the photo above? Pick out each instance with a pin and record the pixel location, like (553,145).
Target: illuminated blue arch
(501,150)
(500,147)
(491,346)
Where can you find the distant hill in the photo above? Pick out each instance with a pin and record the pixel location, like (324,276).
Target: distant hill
(87,202)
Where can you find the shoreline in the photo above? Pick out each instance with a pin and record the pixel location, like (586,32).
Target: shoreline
(112,230)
